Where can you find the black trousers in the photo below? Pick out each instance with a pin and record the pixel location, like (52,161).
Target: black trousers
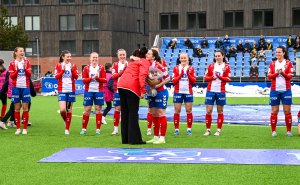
(11,111)
(107,109)
(130,129)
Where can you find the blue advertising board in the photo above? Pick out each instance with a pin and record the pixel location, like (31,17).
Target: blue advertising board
(50,85)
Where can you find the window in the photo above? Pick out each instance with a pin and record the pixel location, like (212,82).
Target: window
(296,15)
(35,71)
(9,2)
(138,26)
(67,22)
(31,2)
(69,45)
(90,46)
(196,20)
(144,27)
(32,48)
(32,23)
(262,18)
(169,21)
(233,19)
(90,22)
(67,1)
(13,20)
(90,1)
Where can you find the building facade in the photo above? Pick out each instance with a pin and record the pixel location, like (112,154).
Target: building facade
(213,18)
(80,26)
(83,26)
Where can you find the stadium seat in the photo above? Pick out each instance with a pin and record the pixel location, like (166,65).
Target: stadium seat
(190,52)
(298,54)
(238,73)
(246,73)
(168,53)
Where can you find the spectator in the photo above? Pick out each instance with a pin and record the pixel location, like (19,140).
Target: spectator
(198,52)
(253,71)
(219,44)
(261,55)
(240,47)
(188,43)
(262,40)
(204,43)
(297,46)
(269,46)
(254,46)
(231,52)
(253,56)
(48,74)
(226,42)
(261,45)
(172,44)
(290,42)
(247,47)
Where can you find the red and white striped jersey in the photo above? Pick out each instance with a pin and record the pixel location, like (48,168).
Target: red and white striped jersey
(20,76)
(117,71)
(183,81)
(66,78)
(164,71)
(96,84)
(281,82)
(222,74)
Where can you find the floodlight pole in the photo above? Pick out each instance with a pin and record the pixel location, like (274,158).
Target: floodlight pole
(38,57)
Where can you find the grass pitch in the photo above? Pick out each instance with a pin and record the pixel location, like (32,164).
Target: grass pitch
(19,154)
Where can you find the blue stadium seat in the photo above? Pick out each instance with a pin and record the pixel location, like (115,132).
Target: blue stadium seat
(239,55)
(168,53)
(246,55)
(298,54)
(238,67)
(261,74)
(201,72)
(238,73)
(269,54)
(190,52)
(203,60)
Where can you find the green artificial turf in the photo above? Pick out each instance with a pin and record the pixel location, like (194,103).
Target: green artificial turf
(20,154)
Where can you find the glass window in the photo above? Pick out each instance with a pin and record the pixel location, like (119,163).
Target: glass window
(268,18)
(90,22)
(262,18)
(67,22)
(69,45)
(9,2)
(67,1)
(233,19)
(32,23)
(174,21)
(191,21)
(35,71)
(228,19)
(296,19)
(13,20)
(90,46)
(90,1)
(32,49)
(31,2)
(202,20)
(164,22)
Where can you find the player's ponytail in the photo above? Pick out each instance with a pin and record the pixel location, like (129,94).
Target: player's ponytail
(63,53)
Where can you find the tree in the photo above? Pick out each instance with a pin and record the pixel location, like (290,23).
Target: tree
(11,36)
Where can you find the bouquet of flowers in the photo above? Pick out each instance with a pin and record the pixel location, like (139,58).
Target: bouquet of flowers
(154,76)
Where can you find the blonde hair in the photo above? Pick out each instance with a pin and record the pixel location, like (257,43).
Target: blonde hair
(15,50)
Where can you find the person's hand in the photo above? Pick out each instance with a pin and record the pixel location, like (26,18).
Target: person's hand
(63,66)
(152,82)
(142,96)
(280,71)
(25,65)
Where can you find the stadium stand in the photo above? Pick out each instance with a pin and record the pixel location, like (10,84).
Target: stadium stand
(240,66)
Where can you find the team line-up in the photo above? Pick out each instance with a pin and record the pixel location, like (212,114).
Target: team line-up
(144,76)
